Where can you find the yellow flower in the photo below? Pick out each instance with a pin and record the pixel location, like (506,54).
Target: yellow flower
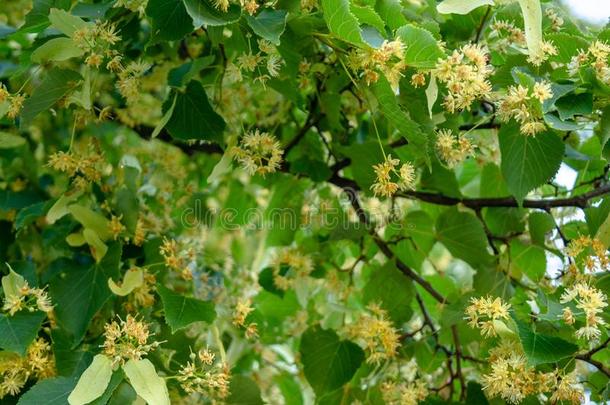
(542,91)
(452,150)
(385,172)
(484,311)
(465,74)
(592,302)
(259,153)
(377,333)
(127,340)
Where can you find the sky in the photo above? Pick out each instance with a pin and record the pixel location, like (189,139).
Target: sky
(592,11)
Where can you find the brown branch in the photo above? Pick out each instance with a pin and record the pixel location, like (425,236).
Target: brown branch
(352,194)
(482,24)
(579,201)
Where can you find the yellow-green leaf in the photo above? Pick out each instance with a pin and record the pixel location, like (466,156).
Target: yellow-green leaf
(12,283)
(461,6)
(93,382)
(92,220)
(10,141)
(98,247)
(65,22)
(532,18)
(56,49)
(133,279)
(144,379)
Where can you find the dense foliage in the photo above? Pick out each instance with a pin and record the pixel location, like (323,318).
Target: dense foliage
(302,201)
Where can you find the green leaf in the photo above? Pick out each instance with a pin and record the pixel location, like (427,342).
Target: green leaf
(165,119)
(52,391)
(574,104)
(539,225)
(463,235)
(244,391)
(55,85)
(10,141)
(391,289)
(65,22)
(29,214)
(170,20)
(203,13)
(93,382)
(144,379)
(80,291)
(541,349)
(422,50)
(181,311)
(282,216)
(194,118)
(366,15)
(528,259)
(19,330)
(528,161)
(328,362)
(461,6)
(38,18)
(341,22)
(390,11)
(56,50)
(269,24)
(388,103)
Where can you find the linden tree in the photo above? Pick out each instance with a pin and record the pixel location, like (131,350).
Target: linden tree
(303,202)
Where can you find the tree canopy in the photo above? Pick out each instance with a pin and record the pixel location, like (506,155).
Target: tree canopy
(303,201)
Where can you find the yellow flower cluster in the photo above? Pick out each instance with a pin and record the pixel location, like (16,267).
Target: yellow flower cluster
(592,302)
(84,168)
(556,20)
(451,149)
(599,259)
(524,106)
(404,393)
(175,259)
(15,102)
(201,375)
(465,74)
(249,62)
(137,6)
(546,49)
(241,312)
(290,265)
(507,34)
(251,6)
(485,313)
(28,298)
(386,173)
(387,59)
(259,153)
(129,82)
(127,340)
(597,57)
(377,333)
(15,371)
(512,379)
(97,41)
